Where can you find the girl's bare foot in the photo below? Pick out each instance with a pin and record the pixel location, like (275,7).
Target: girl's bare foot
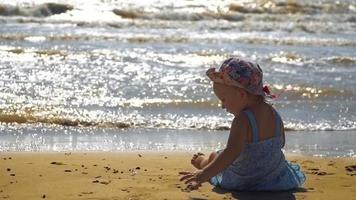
(197,160)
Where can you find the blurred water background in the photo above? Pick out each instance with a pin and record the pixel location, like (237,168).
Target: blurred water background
(131,71)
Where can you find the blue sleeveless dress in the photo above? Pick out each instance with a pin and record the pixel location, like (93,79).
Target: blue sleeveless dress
(261,166)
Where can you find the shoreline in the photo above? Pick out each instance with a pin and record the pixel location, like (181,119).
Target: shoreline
(154,152)
(149,175)
(76,139)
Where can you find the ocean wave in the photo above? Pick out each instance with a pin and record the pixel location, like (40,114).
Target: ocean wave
(346,125)
(43,10)
(291,41)
(194,123)
(170,15)
(251,39)
(292,7)
(172,122)
(297,92)
(44,52)
(168,103)
(234,11)
(164,120)
(341,60)
(28,118)
(292,58)
(243,38)
(287,58)
(163,11)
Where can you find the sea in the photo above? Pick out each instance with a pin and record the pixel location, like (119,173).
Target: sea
(110,75)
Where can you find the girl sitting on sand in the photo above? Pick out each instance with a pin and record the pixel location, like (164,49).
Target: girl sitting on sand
(253,159)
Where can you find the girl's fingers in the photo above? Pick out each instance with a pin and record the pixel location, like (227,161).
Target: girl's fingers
(193,186)
(191,179)
(188,176)
(184,173)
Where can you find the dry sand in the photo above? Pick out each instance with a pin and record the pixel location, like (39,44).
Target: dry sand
(149,175)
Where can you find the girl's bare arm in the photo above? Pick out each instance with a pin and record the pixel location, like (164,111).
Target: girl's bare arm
(235,145)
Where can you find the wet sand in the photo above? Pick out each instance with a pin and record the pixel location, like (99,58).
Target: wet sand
(149,175)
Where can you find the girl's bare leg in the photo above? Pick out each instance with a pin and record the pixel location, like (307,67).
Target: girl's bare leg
(199,160)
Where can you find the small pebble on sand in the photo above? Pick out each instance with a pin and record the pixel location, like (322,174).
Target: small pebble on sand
(57,163)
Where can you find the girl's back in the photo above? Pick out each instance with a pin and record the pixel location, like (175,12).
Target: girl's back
(265,118)
(261,165)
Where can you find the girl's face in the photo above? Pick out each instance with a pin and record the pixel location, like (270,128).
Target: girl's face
(231,97)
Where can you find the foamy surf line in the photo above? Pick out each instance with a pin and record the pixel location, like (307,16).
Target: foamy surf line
(282,38)
(168,121)
(59,139)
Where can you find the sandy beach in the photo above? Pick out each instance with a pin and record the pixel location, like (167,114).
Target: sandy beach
(108,99)
(149,175)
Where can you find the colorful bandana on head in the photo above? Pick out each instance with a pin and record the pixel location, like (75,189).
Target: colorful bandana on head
(242,74)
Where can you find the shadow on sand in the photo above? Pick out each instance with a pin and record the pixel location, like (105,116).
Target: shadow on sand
(283,195)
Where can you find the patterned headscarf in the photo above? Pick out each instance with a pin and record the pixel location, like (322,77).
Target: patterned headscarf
(242,74)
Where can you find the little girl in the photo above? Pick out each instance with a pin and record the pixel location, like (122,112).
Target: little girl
(253,159)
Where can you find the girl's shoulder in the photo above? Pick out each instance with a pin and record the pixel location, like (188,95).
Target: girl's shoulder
(241,126)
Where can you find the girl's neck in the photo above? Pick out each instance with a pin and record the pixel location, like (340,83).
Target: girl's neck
(254,101)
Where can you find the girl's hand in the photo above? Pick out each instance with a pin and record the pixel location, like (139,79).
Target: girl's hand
(192,179)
